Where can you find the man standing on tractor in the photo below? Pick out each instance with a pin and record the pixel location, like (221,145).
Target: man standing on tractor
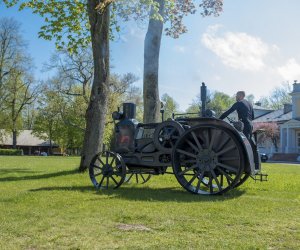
(245,113)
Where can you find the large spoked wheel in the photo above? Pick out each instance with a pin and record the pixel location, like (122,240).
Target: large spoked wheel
(242,179)
(166,135)
(208,160)
(135,176)
(107,170)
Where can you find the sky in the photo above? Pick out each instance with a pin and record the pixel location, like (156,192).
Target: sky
(252,46)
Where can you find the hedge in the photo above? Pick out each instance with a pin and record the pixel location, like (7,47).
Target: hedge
(11,151)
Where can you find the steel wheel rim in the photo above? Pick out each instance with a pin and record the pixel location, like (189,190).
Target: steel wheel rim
(107,170)
(137,177)
(208,160)
(166,135)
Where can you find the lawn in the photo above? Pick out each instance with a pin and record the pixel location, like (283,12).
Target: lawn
(46,204)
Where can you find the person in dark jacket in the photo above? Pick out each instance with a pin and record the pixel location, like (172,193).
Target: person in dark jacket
(245,113)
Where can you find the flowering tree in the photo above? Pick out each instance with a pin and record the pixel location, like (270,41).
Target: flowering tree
(270,131)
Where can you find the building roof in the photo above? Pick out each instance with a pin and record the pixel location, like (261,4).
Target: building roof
(24,138)
(258,107)
(275,116)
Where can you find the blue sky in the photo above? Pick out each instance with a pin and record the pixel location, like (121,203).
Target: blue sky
(253,46)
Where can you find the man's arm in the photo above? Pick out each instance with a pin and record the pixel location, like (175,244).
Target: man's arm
(228,112)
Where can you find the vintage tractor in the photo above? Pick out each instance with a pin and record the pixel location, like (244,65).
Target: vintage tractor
(208,156)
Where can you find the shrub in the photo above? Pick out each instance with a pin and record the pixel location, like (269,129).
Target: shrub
(11,151)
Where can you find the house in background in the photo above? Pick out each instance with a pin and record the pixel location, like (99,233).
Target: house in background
(29,143)
(290,130)
(288,120)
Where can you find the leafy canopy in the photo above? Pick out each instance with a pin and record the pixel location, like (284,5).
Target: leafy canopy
(67,22)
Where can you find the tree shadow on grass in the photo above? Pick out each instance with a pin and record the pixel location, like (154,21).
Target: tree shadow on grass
(169,194)
(39,176)
(16,170)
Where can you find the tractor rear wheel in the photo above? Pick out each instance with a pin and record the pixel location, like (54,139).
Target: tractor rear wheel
(208,159)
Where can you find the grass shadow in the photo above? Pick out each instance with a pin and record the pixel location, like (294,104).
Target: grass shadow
(168,194)
(40,176)
(16,170)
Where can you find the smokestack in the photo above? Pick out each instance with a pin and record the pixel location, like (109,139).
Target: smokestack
(296,100)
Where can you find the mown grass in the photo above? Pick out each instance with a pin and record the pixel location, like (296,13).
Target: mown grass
(46,204)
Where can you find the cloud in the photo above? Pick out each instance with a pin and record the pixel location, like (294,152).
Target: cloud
(290,71)
(237,50)
(180,49)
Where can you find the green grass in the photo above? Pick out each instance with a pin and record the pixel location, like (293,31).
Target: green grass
(46,204)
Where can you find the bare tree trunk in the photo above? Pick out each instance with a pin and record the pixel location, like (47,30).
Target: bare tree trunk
(95,114)
(151,66)
(14,138)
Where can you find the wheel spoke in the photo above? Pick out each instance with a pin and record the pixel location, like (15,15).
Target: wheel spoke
(100,183)
(143,178)
(112,161)
(228,177)
(225,150)
(95,166)
(137,178)
(216,179)
(106,157)
(100,160)
(130,177)
(212,140)
(227,167)
(187,169)
(198,185)
(232,158)
(97,174)
(186,153)
(192,145)
(210,185)
(114,180)
(206,137)
(196,140)
(107,182)
(192,179)
(224,143)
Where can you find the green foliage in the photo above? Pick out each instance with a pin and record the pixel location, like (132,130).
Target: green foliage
(67,22)
(217,101)
(170,106)
(278,97)
(11,151)
(64,211)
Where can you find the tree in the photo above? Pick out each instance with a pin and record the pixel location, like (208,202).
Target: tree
(12,49)
(278,97)
(17,88)
(69,22)
(172,12)
(269,131)
(170,106)
(216,101)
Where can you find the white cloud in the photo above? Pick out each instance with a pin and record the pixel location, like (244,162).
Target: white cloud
(180,49)
(290,71)
(237,50)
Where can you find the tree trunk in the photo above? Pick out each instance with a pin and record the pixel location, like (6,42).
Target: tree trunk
(14,137)
(95,114)
(151,66)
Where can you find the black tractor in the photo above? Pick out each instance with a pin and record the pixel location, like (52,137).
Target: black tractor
(207,156)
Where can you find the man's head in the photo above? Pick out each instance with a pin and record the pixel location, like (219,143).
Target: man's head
(240,95)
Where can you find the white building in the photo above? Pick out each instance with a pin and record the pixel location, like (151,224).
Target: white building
(290,130)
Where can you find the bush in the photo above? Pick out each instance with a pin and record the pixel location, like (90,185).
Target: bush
(11,151)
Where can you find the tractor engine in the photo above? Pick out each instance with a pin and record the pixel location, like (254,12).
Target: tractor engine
(125,128)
